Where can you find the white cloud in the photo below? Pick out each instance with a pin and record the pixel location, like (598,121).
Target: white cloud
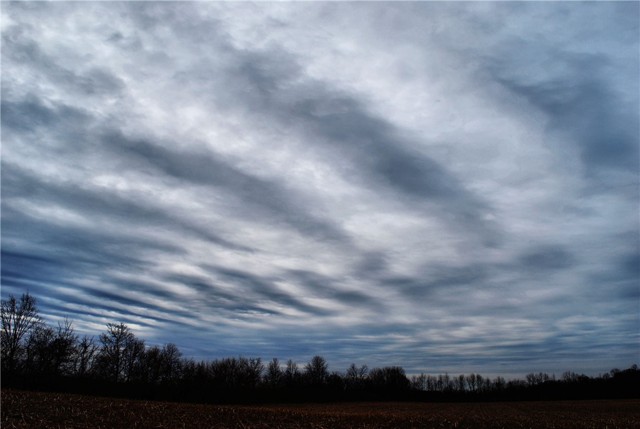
(253,168)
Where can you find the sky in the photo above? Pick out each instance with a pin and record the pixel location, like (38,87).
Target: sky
(444,186)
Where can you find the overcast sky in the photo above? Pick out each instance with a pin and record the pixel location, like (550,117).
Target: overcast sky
(440,186)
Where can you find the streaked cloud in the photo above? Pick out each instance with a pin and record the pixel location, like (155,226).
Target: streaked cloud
(442,186)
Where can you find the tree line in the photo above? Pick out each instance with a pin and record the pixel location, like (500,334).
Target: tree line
(35,355)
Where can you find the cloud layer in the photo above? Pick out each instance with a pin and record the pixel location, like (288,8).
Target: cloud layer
(446,187)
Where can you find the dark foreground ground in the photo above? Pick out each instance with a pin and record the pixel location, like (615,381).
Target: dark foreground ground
(52,410)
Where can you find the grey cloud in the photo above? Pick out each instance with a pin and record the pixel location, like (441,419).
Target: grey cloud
(93,203)
(140,286)
(546,258)
(621,278)
(265,197)
(372,144)
(277,90)
(15,264)
(126,305)
(78,250)
(439,278)
(379,158)
(478,306)
(31,113)
(329,288)
(630,265)
(216,299)
(39,275)
(263,288)
(371,264)
(581,102)
(606,135)
(235,292)
(21,50)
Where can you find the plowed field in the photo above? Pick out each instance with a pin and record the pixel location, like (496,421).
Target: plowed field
(34,410)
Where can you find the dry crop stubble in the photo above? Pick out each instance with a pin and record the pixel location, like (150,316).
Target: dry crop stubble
(52,410)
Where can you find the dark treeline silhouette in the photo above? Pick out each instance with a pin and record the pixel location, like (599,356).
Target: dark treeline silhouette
(117,363)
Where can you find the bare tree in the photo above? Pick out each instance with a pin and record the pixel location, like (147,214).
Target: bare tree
(19,317)
(535,379)
(419,382)
(132,358)
(84,355)
(115,352)
(38,353)
(170,357)
(274,374)
(63,348)
(356,376)
(58,349)
(317,370)
(50,352)
(460,383)
(389,377)
(253,369)
(472,382)
(291,373)
(499,383)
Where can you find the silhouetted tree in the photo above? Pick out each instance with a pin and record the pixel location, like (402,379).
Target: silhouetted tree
(292,374)
(389,378)
(335,382)
(85,352)
(63,348)
(170,358)
(38,354)
(356,376)
(274,374)
(18,318)
(444,383)
(499,384)
(132,359)
(460,384)
(114,358)
(472,382)
(237,373)
(49,352)
(35,355)
(536,379)
(150,368)
(252,371)
(316,371)
(157,365)
(419,382)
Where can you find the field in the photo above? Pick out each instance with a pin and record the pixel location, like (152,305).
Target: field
(51,410)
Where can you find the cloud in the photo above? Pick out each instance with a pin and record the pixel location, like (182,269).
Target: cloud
(265,197)
(444,187)
(591,112)
(546,258)
(603,130)
(29,114)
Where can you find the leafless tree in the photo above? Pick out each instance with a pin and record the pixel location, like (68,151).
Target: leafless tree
(114,357)
(50,351)
(84,355)
(419,382)
(291,373)
(171,358)
(356,376)
(132,358)
(274,374)
(159,365)
(389,377)
(316,371)
(19,317)
(460,383)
